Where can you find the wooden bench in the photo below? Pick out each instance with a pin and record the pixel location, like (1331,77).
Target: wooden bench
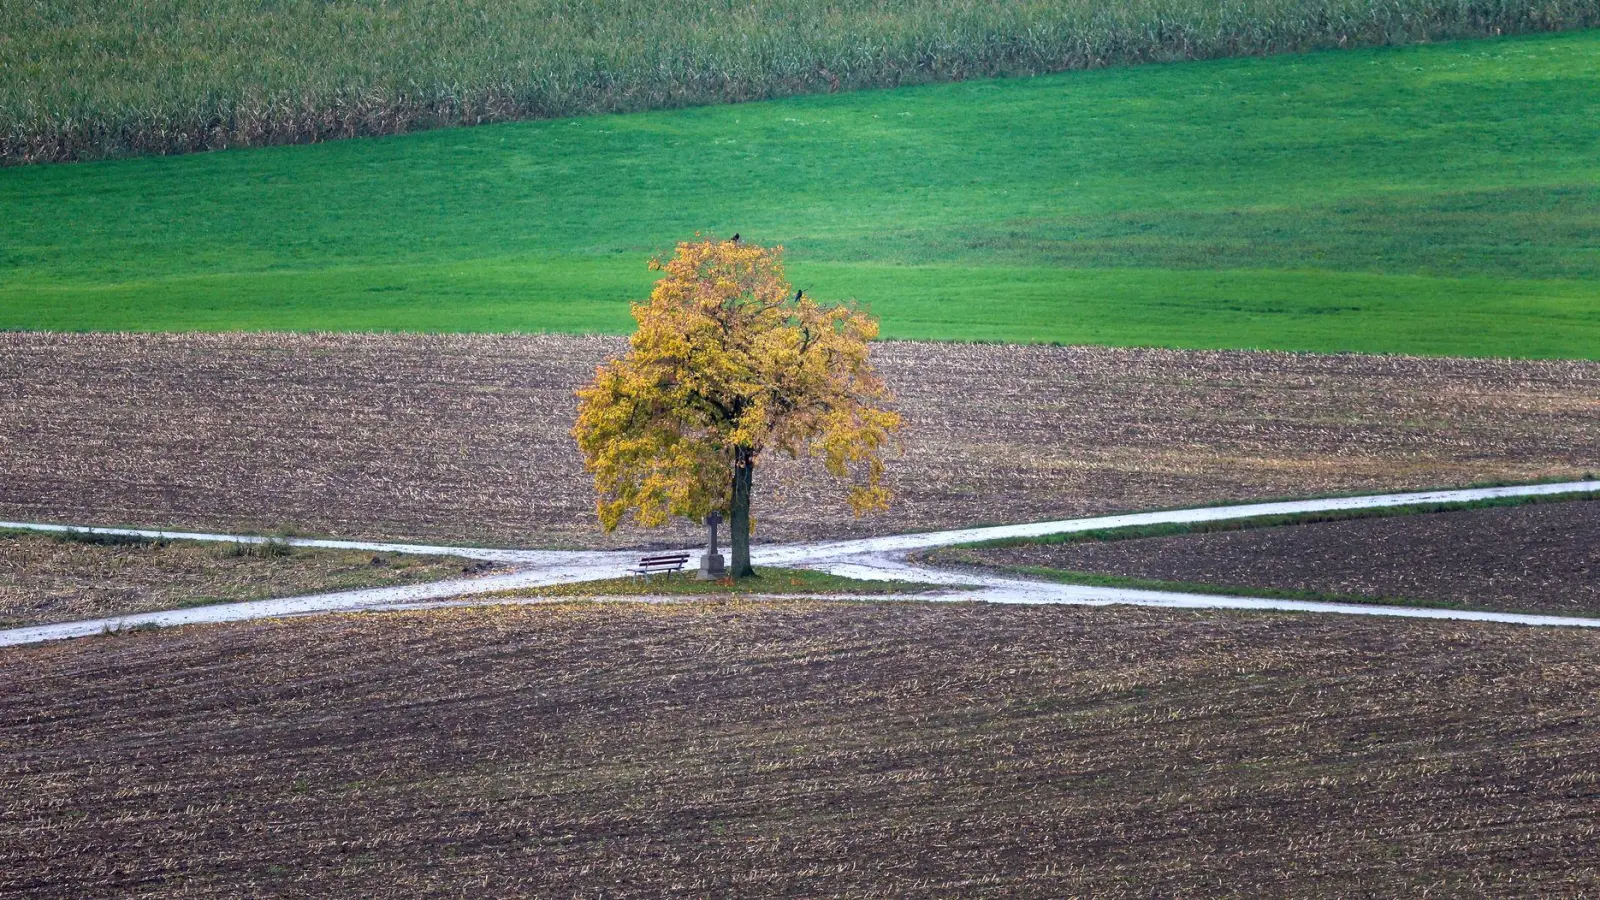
(659,564)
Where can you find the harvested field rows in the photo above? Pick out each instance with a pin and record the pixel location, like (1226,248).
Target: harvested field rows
(43,579)
(1539,558)
(802,749)
(464,437)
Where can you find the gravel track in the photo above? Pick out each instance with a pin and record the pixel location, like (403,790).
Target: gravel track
(883,558)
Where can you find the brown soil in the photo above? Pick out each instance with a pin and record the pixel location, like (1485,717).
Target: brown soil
(803,749)
(1536,558)
(466,437)
(43,579)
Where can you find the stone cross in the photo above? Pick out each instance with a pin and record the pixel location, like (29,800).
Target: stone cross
(712,521)
(711,567)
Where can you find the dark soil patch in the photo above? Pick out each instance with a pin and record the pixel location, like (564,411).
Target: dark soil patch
(465,437)
(803,749)
(1542,557)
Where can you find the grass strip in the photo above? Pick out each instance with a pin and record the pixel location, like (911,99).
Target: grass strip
(766,581)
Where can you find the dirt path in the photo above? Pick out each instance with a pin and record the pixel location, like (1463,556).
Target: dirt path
(881,558)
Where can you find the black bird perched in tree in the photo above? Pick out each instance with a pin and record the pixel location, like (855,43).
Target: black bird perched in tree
(735,237)
(798,294)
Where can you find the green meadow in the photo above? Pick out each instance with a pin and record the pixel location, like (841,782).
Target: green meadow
(1437,199)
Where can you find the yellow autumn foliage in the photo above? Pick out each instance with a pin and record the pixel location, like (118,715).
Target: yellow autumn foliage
(728,364)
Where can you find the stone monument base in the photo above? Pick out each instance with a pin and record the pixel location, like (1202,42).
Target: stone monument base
(711,567)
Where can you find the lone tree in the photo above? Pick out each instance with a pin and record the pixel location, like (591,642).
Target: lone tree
(729,362)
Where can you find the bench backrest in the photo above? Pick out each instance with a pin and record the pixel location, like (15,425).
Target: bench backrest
(663,559)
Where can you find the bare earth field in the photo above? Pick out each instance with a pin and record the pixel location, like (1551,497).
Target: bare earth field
(464,438)
(1542,557)
(47,580)
(734,749)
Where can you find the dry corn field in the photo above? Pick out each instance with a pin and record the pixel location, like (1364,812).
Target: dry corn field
(43,579)
(806,750)
(465,438)
(90,78)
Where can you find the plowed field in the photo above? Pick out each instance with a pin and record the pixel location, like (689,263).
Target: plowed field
(803,749)
(465,438)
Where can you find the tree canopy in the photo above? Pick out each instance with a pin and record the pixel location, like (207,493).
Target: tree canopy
(728,363)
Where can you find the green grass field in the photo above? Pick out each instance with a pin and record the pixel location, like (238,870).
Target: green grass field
(1439,199)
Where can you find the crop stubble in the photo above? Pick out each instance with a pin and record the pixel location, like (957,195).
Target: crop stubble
(465,437)
(803,749)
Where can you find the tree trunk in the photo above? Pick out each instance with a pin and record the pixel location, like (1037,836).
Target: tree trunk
(744,470)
